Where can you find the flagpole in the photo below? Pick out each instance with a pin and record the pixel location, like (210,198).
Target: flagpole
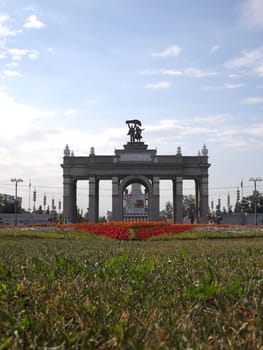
(241,190)
(29,195)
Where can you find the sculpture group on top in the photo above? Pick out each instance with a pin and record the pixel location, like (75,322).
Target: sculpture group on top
(135,131)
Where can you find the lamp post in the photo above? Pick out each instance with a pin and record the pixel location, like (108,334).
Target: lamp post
(255,180)
(15,180)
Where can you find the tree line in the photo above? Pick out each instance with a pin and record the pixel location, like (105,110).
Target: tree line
(245,204)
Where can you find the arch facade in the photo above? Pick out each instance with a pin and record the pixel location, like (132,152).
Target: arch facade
(135,163)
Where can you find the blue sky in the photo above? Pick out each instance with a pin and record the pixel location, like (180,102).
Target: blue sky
(74,71)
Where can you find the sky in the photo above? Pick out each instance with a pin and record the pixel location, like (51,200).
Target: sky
(72,72)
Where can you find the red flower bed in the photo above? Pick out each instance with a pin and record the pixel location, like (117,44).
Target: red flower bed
(132,230)
(144,233)
(117,232)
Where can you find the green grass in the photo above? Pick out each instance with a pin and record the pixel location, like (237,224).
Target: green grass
(205,234)
(76,291)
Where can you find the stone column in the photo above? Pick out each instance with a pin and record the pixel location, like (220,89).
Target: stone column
(204,200)
(155,200)
(69,199)
(93,199)
(116,200)
(197,199)
(178,199)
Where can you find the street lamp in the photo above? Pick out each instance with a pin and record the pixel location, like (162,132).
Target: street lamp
(15,180)
(255,180)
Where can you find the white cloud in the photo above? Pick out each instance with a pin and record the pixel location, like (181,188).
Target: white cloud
(252,13)
(159,86)
(255,130)
(50,50)
(253,100)
(170,72)
(47,113)
(92,101)
(251,59)
(220,129)
(4,29)
(3,18)
(17,115)
(234,86)
(218,118)
(259,70)
(17,54)
(247,58)
(12,73)
(198,73)
(30,8)
(233,76)
(150,72)
(33,22)
(170,127)
(225,86)
(29,139)
(213,87)
(170,51)
(72,112)
(11,64)
(165,124)
(214,49)
(33,55)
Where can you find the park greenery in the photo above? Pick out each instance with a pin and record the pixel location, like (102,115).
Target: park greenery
(131,286)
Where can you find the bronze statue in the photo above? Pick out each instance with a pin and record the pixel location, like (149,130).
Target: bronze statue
(135,132)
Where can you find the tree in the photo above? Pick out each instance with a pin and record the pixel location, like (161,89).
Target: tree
(86,216)
(79,217)
(247,204)
(189,207)
(40,210)
(230,210)
(8,207)
(169,210)
(216,216)
(257,198)
(102,219)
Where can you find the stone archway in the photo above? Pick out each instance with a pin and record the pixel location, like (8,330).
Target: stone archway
(135,163)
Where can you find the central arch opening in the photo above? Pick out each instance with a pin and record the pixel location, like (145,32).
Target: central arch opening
(135,194)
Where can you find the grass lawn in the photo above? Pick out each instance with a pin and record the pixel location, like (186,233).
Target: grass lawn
(81,291)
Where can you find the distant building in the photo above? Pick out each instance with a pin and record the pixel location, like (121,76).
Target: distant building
(7,198)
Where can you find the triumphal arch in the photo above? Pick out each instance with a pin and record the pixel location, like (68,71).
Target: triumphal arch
(135,163)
